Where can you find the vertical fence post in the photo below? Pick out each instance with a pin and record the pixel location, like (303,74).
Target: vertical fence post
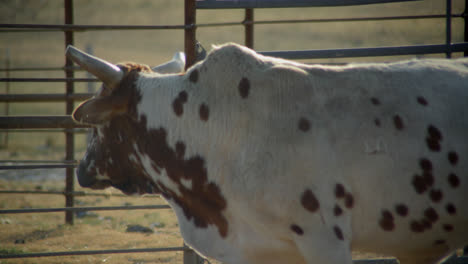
(7,91)
(69,139)
(249,27)
(190,42)
(465,20)
(190,29)
(91,89)
(448,30)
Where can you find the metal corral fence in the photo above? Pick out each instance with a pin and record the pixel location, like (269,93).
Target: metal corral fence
(65,124)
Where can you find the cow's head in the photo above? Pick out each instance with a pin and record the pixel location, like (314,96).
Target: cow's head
(110,160)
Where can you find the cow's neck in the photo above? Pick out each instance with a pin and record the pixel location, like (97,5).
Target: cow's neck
(182,177)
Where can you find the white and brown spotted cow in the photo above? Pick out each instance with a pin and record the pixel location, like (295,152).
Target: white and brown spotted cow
(270,161)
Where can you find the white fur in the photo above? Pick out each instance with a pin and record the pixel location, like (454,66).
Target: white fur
(262,162)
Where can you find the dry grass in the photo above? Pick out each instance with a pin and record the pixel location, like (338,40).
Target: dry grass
(46,232)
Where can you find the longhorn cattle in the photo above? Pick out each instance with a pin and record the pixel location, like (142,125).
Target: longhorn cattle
(265,160)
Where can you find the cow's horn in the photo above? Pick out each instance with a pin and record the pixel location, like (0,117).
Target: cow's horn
(105,71)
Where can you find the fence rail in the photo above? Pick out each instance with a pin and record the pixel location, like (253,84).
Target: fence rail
(65,123)
(368,52)
(34,122)
(81,209)
(92,252)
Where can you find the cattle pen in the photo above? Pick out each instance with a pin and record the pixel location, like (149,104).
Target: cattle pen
(63,124)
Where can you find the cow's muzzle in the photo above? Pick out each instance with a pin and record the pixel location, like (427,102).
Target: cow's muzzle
(88,179)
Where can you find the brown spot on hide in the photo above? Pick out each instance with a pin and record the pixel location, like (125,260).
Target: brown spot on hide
(193,77)
(244,87)
(439,242)
(448,227)
(180,149)
(426,224)
(453,180)
(436,195)
(428,178)
(304,124)
(178,103)
(434,138)
(422,100)
(204,112)
(453,158)
(377,122)
(451,209)
(309,201)
(337,211)
(431,214)
(338,233)
(433,145)
(398,122)
(416,227)
(426,165)
(375,101)
(434,132)
(419,184)
(349,201)
(401,209)
(297,229)
(339,190)
(386,221)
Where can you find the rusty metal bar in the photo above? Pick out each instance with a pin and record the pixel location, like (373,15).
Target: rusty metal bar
(190,31)
(7,92)
(70,28)
(81,209)
(37,122)
(33,167)
(75,193)
(49,79)
(20,98)
(92,252)
(249,27)
(69,137)
(367,52)
(226,4)
(448,30)
(465,20)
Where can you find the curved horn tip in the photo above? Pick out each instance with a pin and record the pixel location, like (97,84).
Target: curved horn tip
(71,49)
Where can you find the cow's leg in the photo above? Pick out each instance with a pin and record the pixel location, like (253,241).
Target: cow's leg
(324,247)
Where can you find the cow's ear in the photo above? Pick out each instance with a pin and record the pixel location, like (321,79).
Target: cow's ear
(99,110)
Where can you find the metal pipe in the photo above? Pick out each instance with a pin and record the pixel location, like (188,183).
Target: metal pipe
(91,252)
(448,30)
(23,98)
(216,4)
(7,92)
(81,209)
(36,122)
(367,52)
(69,137)
(249,27)
(37,27)
(465,19)
(190,33)
(68,79)
(76,193)
(51,27)
(32,167)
